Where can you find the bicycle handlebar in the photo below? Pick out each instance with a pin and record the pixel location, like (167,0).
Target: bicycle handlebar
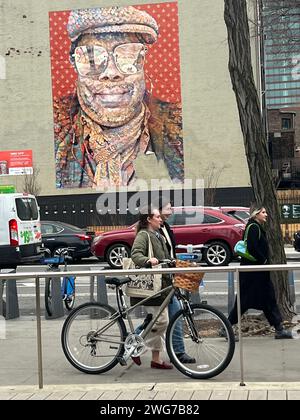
(191,246)
(170,263)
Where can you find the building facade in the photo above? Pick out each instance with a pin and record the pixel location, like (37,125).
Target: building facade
(211,130)
(281,81)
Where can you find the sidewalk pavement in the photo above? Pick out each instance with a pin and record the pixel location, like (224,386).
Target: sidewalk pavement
(291,253)
(271,371)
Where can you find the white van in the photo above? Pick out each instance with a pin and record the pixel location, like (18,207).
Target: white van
(20,230)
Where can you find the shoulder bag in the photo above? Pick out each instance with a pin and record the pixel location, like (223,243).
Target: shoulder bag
(240,247)
(143,285)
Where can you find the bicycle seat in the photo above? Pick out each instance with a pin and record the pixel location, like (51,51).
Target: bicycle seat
(117,281)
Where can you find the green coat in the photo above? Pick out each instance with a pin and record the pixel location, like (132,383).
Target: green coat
(139,255)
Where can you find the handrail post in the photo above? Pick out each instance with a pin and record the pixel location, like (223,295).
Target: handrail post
(39,331)
(238,295)
(292,287)
(230,284)
(92,285)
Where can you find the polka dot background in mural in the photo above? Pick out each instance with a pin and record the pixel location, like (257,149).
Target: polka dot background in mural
(162,63)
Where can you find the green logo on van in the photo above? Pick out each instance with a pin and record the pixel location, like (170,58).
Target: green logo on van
(27,236)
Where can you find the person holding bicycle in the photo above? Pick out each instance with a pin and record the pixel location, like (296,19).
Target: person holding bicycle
(165,209)
(149,224)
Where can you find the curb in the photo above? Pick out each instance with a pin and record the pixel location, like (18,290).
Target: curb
(183,386)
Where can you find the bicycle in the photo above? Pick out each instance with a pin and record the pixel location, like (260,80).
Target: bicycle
(193,252)
(94,336)
(68,282)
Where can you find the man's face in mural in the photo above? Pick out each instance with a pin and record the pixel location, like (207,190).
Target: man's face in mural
(110,76)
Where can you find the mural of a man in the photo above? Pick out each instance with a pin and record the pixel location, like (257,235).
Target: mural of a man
(112,119)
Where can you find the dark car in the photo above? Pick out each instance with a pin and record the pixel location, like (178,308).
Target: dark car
(218,231)
(58,235)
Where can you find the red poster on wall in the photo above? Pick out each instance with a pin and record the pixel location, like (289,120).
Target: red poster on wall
(16,162)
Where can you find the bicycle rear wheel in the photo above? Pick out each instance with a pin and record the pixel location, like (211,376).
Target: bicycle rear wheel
(69,292)
(211,352)
(48,296)
(91,340)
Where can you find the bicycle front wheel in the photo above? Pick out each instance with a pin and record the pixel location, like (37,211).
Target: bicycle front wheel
(201,335)
(48,296)
(69,292)
(92,338)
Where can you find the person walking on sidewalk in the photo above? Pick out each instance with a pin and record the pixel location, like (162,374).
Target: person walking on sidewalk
(149,224)
(256,288)
(165,209)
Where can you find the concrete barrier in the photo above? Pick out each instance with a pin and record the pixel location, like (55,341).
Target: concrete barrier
(10,307)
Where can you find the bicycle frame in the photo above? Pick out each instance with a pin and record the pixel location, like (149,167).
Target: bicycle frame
(124,312)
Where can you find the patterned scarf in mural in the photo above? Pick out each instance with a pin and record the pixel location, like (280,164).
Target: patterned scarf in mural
(113,149)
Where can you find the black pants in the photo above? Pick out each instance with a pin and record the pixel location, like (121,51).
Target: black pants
(271,313)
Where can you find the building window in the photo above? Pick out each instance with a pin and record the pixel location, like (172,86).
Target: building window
(286,123)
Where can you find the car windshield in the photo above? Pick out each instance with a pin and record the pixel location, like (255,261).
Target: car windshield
(241,215)
(191,217)
(72,227)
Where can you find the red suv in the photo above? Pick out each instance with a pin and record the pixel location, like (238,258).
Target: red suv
(194,225)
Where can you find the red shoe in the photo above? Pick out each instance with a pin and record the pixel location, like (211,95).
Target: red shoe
(163,365)
(136,360)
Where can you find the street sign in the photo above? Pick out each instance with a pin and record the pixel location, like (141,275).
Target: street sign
(290,211)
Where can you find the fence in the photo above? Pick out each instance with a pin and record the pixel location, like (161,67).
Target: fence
(100,229)
(96,272)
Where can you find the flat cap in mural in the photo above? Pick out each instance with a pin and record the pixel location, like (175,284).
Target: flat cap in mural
(110,20)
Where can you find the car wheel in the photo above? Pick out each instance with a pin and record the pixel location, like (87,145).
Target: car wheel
(216,254)
(115,254)
(58,251)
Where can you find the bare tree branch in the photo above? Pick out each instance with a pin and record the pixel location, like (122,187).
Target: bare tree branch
(30,182)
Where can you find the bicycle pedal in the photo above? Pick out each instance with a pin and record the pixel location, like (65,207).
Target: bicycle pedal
(122,361)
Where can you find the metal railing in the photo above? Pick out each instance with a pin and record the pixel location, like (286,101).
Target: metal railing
(115,273)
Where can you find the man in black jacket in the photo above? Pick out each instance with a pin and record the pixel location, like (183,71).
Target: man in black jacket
(174,306)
